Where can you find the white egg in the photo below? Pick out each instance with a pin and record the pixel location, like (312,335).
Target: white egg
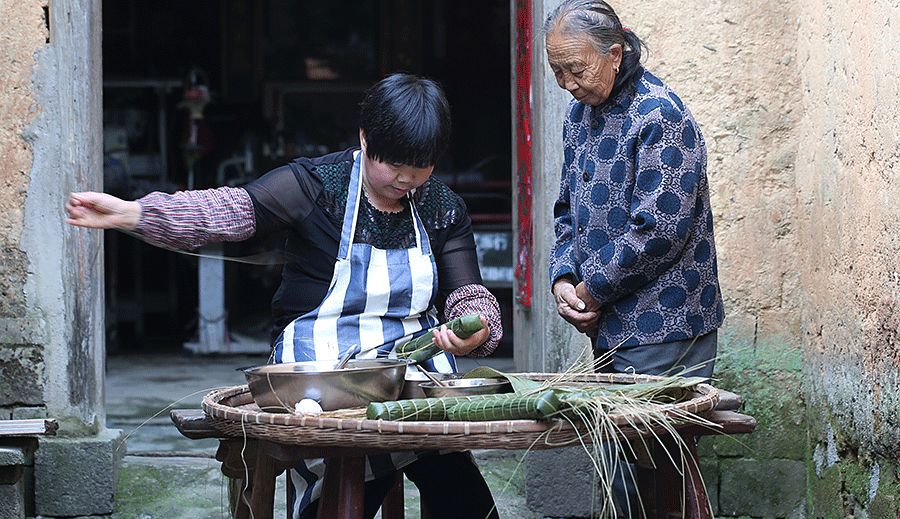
(307,406)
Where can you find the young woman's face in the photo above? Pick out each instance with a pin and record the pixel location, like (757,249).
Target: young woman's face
(580,68)
(392,181)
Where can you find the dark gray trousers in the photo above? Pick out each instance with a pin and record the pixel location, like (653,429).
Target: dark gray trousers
(693,357)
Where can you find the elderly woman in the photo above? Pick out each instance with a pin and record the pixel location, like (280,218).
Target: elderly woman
(634,263)
(375,245)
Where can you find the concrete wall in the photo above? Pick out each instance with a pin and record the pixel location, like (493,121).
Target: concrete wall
(51,281)
(848,175)
(544,342)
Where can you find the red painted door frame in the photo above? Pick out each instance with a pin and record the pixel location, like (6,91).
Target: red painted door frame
(523,152)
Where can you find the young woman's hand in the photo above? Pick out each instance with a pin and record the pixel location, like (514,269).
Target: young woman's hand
(445,339)
(102,211)
(574,309)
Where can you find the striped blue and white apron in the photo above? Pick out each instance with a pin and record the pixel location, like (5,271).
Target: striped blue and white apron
(376,297)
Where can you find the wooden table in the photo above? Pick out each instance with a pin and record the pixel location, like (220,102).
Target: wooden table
(253,464)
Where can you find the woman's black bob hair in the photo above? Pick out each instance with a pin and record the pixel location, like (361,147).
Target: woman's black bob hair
(405,120)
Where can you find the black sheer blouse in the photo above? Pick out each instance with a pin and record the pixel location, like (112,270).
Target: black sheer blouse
(307,199)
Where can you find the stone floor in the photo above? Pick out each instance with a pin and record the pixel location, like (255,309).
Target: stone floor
(165,475)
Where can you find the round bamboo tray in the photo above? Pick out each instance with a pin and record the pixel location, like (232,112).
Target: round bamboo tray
(233,412)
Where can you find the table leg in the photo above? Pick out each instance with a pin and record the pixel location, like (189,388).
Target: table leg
(392,507)
(673,491)
(343,490)
(696,499)
(238,498)
(262,500)
(233,455)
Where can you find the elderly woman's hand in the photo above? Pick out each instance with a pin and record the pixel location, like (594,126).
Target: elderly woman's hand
(581,292)
(445,339)
(574,309)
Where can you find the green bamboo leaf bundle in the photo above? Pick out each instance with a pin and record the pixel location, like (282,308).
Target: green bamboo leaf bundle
(420,409)
(423,348)
(536,407)
(507,406)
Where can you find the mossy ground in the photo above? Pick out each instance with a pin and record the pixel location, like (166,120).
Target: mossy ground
(194,488)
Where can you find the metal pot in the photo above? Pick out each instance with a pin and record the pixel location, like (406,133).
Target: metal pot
(277,388)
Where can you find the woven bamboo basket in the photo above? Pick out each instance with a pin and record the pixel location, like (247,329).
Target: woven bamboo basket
(233,412)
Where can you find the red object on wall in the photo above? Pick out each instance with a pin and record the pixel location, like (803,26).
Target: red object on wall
(523,151)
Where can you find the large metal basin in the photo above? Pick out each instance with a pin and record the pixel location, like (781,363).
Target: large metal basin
(276,388)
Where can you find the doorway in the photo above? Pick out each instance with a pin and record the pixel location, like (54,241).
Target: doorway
(283,79)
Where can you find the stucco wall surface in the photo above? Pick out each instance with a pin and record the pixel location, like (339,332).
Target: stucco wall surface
(734,65)
(18,44)
(849,181)
(732,62)
(848,177)
(51,291)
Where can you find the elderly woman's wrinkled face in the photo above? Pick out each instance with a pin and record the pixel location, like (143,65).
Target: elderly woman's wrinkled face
(580,68)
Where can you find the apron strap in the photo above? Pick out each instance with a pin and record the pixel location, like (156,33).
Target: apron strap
(422,240)
(354,191)
(351,214)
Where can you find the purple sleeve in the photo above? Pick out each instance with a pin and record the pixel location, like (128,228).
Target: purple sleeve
(190,219)
(476,299)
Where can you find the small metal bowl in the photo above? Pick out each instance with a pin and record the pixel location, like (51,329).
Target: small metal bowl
(467,387)
(414,379)
(277,388)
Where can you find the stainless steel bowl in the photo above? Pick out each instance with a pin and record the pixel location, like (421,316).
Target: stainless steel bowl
(414,378)
(467,387)
(277,388)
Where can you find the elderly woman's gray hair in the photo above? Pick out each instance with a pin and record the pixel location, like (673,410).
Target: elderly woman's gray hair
(598,21)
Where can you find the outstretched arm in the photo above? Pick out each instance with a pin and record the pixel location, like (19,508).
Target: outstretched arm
(184,220)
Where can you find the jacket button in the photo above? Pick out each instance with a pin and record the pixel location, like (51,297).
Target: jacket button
(581,229)
(595,124)
(586,176)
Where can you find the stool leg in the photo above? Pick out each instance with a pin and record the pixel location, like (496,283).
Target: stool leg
(343,490)
(392,507)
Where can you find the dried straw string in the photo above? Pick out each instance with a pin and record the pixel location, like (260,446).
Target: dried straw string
(639,415)
(164,409)
(268,257)
(246,468)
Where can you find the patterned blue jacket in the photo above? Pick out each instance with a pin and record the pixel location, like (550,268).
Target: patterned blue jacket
(633,219)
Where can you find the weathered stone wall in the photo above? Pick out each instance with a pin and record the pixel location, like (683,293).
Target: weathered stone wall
(51,304)
(21,358)
(51,282)
(848,175)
